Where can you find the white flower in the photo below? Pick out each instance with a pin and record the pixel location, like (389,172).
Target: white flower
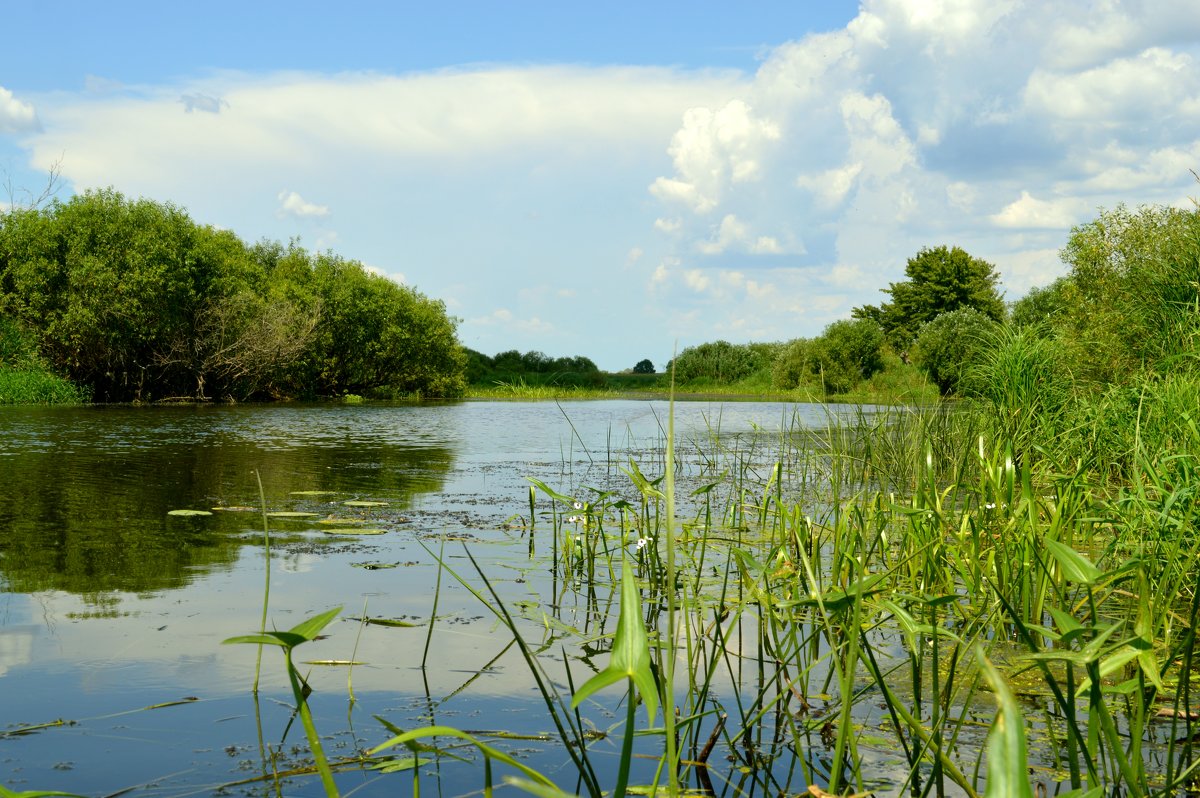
(578,505)
(642,542)
(574,519)
(990,506)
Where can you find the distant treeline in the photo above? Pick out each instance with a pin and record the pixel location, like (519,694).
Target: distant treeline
(134,301)
(531,368)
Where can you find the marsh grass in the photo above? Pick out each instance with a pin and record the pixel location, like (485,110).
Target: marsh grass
(806,603)
(36,386)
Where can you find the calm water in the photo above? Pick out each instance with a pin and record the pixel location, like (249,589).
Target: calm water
(110,605)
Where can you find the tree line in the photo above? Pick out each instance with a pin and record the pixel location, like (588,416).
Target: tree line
(137,302)
(1127,310)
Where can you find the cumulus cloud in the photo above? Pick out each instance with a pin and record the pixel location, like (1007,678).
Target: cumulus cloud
(292,204)
(1029,212)
(714,149)
(831,186)
(16,116)
(395,277)
(1157,81)
(733,233)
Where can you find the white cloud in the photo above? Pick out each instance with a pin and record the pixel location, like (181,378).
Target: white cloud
(1031,268)
(832,185)
(395,277)
(1030,212)
(732,233)
(668,226)
(712,150)
(292,204)
(1155,82)
(961,195)
(16,116)
(697,280)
(506,320)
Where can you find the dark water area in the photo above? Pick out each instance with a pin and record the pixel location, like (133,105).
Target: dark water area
(109,604)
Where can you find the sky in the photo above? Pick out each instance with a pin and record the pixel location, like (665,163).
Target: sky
(619,180)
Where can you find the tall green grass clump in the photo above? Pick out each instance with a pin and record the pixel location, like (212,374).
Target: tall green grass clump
(24,377)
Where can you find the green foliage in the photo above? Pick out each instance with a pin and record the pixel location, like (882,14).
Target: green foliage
(949,347)
(1024,379)
(721,362)
(533,368)
(24,377)
(137,301)
(1044,307)
(846,353)
(644,367)
(1134,293)
(793,367)
(939,280)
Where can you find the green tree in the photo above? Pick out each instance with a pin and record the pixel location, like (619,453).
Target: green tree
(645,366)
(940,280)
(846,353)
(137,301)
(793,366)
(376,336)
(1043,307)
(720,362)
(1133,293)
(950,347)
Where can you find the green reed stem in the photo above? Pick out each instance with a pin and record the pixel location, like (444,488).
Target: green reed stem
(669,669)
(262,628)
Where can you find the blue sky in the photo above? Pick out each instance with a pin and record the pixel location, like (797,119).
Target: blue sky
(619,179)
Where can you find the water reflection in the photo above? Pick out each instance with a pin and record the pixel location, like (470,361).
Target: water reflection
(87,492)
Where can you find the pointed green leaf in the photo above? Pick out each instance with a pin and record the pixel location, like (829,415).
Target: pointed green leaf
(1007,758)
(312,627)
(282,639)
(1075,566)
(549,491)
(630,657)
(1065,622)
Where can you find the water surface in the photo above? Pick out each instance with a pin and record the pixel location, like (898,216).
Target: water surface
(110,604)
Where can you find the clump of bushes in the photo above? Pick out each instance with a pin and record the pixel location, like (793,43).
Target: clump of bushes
(845,354)
(950,347)
(532,368)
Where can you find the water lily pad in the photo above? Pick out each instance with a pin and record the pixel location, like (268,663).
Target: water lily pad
(188,512)
(291,514)
(364,504)
(235,509)
(354,531)
(341,521)
(312,493)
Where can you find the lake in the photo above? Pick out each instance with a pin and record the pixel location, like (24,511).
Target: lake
(114,610)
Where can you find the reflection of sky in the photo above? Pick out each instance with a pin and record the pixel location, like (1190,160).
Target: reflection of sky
(84,656)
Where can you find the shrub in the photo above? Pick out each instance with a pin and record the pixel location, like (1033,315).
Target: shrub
(949,347)
(793,366)
(721,362)
(846,353)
